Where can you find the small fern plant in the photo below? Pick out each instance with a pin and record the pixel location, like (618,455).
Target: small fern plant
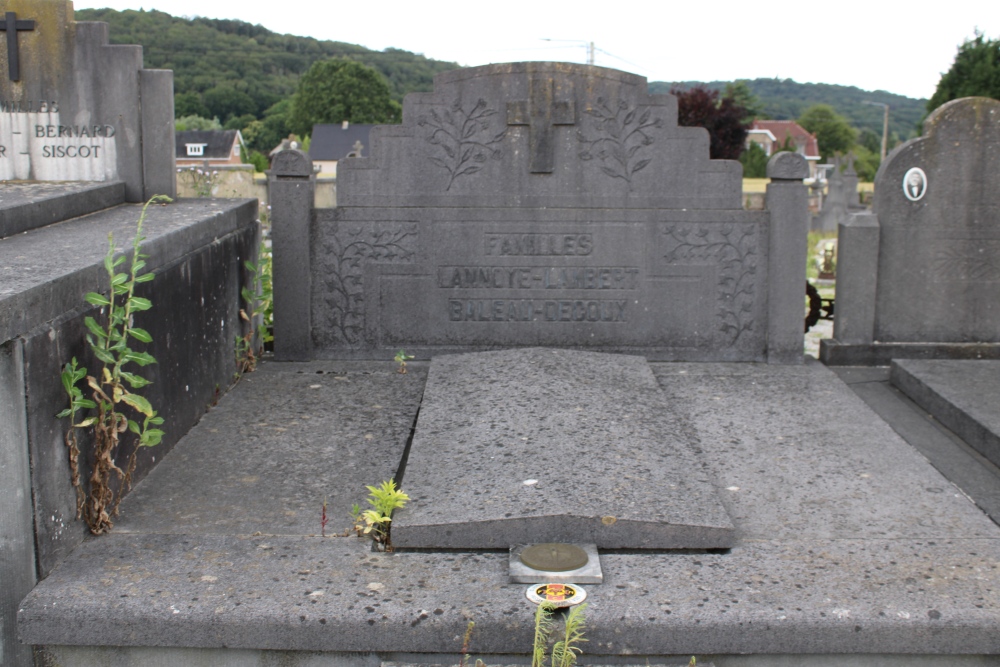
(112,391)
(566,649)
(375,522)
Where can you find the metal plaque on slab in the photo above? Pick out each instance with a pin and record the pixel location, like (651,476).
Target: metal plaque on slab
(589,573)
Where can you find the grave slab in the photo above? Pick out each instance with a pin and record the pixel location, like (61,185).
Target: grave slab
(25,206)
(851,548)
(46,271)
(544,445)
(961,394)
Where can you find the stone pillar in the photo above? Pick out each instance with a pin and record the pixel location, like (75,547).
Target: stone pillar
(857,278)
(788,203)
(17,539)
(156,90)
(291,184)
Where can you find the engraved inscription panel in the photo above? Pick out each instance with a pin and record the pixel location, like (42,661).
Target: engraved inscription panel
(37,144)
(617,285)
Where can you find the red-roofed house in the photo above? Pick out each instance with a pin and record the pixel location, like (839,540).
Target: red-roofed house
(772,135)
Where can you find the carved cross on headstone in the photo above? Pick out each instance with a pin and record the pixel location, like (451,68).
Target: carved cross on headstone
(358,147)
(541,113)
(11,26)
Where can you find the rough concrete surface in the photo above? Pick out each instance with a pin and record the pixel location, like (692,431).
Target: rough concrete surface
(961,394)
(849,543)
(45,272)
(25,206)
(542,445)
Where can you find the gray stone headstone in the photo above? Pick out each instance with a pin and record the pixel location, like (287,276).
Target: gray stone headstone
(937,280)
(546,204)
(75,108)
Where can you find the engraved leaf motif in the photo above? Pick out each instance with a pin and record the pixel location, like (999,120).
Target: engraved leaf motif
(621,137)
(458,134)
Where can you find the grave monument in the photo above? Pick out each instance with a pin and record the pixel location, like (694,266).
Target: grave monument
(525,226)
(540,204)
(917,278)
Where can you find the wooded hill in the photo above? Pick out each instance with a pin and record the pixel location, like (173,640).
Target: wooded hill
(207,54)
(784,99)
(221,59)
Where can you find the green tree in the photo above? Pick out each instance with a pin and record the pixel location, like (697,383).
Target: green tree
(975,72)
(866,162)
(189,104)
(833,132)
(754,161)
(741,95)
(264,135)
(196,123)
(332,91)
(226,102)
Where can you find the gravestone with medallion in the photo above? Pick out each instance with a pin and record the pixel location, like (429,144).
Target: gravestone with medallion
(75,108)
(550,204)
(920,277)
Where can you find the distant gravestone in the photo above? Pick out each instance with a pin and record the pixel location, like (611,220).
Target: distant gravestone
(74,108)
(921,277)
(547,204)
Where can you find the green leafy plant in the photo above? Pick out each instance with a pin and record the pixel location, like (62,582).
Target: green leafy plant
(543,628)
(566,649)
(258,313)
(401,358)
(375,522)
(119,408)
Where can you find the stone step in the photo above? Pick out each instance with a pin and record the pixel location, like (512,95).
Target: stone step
(959,393)
(29,205)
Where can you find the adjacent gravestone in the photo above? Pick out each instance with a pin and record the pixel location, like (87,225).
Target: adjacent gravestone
(546,204)
(74,108)
(921,277)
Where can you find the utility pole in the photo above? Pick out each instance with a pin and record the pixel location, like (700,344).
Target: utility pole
(885,125)
(591,49)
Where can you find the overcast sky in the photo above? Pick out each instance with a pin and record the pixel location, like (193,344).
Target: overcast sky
(901,47)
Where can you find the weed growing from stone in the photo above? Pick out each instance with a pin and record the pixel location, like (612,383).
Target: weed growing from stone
(566,649)
(119,409)
(401,358)
(258,313)
(375,522)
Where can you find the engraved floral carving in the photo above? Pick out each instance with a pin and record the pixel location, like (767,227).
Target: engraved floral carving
(345,254)
(622,138)
(463,138)
(731,247)
(962,261)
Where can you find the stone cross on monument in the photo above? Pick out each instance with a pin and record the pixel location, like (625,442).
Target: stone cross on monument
(11,26)
(540,112)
